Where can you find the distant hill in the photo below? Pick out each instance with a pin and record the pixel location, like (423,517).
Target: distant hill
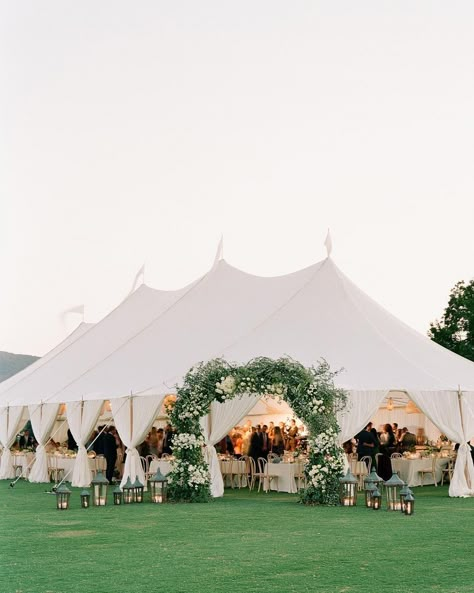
(13,363)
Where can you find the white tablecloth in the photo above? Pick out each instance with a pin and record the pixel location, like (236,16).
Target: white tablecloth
(66,463)
(408,470)
(286,477)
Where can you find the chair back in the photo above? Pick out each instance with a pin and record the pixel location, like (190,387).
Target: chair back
(100,463)
(368,462)
(396,456)
(262,465)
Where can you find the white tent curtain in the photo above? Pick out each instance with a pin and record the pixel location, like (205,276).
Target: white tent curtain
(82,417)
(467,401)
(359,410)
(133,417)
(10,424)
(42,418)
(215,425)
(443,409)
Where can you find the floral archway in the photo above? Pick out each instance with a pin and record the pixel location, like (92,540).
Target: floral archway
(310,392)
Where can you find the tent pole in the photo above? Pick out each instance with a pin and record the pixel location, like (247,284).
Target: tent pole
(466,473)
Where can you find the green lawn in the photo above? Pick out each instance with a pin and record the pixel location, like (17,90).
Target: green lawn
(244,542)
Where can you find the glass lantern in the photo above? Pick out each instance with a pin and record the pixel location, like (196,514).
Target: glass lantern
(85,499)
(348,490)
(393,487)
(374,478)
(99,485)
(118,495)
(158,487)
(409,504)
(128,492)
(376,499)
(369,488)
(62,497)
(403,493)
(138,490)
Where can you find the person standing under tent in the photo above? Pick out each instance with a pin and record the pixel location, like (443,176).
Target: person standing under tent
(110,452)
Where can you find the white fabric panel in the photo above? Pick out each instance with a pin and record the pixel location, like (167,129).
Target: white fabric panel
(42,418)
(443,409)
(468,413)
(83,353)
(82,417)
(10,424)
(133,418)
(222,418)
(359,411)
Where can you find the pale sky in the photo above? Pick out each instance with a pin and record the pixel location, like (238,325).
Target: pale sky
(139,132)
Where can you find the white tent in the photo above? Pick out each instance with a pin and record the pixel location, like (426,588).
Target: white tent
(311,314)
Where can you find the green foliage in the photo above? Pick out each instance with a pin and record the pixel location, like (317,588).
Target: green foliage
(309,391)
(455,330)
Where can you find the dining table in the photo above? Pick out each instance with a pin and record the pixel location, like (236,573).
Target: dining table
(409,469)
(284,473)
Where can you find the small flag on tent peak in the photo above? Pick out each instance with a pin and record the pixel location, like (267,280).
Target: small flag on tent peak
(328,243)
(220,251)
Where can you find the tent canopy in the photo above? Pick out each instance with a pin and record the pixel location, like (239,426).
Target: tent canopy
(148,343)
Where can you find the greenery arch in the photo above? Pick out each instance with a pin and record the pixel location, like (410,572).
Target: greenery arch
(310,392)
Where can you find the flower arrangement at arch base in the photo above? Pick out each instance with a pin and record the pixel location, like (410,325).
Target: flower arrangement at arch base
(310,392)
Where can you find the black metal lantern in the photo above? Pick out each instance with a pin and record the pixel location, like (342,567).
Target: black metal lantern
(62,497)
(369,488)
(409,504)
(403,493)
(158,487)
(373,478)
(118,495)
(376,499)
(348,490)
(99,485)
(85,499)
(137,490)
(392,488)
(128,492)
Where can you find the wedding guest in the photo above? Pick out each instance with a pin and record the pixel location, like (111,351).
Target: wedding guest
(265,442)
(407,440)
(110,453)
(168,439)
(160,437)
(237,442)
(365,442)
(153,440)
(291,437)
(387,447)
(278,445)
(271,431)
(254,449)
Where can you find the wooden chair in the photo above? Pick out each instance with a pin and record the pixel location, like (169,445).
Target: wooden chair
(55,471)
(300,477)
(447,472)
(432,471)
(261,472)
(271,476)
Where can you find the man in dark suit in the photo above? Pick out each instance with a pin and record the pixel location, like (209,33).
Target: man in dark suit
(168,439)
(27,441)
(408,440)
(264,442)
(365,442)
(254,450)
(110,452)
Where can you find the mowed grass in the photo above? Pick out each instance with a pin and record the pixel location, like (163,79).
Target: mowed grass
(245,542)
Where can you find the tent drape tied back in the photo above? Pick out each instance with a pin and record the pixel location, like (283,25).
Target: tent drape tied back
(43,417)
(133,417)
(10,422)
(82,417)
(221,419)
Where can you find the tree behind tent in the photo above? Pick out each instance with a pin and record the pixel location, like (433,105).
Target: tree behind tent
(455,330)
